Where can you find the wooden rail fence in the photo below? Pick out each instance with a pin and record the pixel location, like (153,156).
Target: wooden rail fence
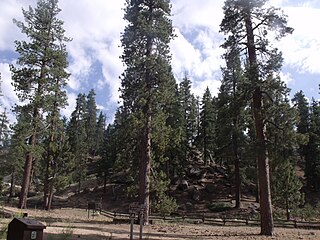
(224,221)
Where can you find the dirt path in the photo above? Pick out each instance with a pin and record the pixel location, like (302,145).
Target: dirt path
(74,224)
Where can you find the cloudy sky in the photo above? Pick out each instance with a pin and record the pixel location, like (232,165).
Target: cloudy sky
(95,27)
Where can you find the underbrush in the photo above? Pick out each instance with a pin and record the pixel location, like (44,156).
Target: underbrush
(219,206)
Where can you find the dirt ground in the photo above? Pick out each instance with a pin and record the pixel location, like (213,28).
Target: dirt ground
(74,224)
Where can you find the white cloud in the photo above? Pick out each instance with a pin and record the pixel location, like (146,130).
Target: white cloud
(7,89)
(286,77)
(95,27)
(72,98)
(301,50)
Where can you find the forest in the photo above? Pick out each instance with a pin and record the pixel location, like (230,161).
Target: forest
(253,128)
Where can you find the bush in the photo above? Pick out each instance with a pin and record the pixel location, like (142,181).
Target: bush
(219,207)
(166,205)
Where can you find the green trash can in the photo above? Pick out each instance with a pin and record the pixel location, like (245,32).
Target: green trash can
(25,229)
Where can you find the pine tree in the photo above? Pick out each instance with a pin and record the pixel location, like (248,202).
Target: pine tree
(282,148)
(247,23)
(15,158)
(91,123)
(76,131)
(100,131)
(188,102)
(231,110)
(312,159)
(4,131)
(36,68)
(147,80)
(207,135)
(302,106)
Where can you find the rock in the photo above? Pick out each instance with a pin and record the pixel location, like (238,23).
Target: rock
(196,194)
(210,188)
(194,173)
(184,185)
(189,206)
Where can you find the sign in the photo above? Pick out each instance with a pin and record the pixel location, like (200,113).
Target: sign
(137,208)
(33,235)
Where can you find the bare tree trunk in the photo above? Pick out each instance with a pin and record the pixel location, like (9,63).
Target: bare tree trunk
(26,181)
(237,182)
(46,187)
(262,155)
(263,169)
(104,182)
(145,166)
(12,183)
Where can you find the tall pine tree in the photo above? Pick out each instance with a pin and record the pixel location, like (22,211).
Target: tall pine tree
(36,69)
(247,22)
(147,79)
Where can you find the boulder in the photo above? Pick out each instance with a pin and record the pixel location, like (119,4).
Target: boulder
(183,185)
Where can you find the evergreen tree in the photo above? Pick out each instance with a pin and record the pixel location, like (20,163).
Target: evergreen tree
(302,106)
(147,81)
(231,110)
(248,23)
(312,158)
(38,65)
(99,134)
(14,160)
(282,148)
(91,123)
(189,104)
(77,135)
(206,138)
(4,131)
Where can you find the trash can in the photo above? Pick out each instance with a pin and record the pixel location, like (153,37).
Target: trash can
(25,229)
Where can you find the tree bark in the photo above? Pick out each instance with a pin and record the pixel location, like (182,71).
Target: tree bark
(28,168)
(12,183)
(145,166)
(262,154)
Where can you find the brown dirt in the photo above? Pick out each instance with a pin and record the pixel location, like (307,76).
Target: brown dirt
(69,220)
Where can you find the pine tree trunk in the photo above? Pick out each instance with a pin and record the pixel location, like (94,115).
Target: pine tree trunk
(262,155)
(145,166)
(50,195)
(104,182)
(26,181)
(12,183)
(237,182)
(46,185)
(237,177)
(263,168)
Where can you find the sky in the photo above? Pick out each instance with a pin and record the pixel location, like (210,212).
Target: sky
(95,27)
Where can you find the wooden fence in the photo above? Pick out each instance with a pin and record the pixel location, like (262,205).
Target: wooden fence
(224,221)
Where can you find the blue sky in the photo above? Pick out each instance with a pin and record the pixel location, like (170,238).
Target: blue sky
(95,27)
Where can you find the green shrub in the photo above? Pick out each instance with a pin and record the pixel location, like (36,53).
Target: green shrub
(219,206)
(166,205)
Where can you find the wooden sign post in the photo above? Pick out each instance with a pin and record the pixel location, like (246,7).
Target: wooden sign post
(139,210)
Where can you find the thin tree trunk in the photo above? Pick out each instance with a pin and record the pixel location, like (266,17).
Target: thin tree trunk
(237,182)
(46,185)
(262,155)
(26,181)
(12,183)
(235,138)
(104,182)
(50,195)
